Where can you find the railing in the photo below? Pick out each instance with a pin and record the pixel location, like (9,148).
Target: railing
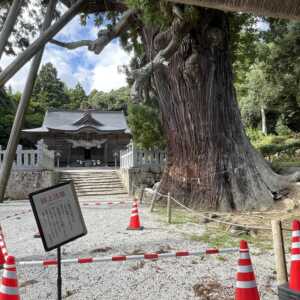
(134,158)
(41,158)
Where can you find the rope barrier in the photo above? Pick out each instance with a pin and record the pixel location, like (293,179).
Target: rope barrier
(119,258)
(216,220)
(104,203)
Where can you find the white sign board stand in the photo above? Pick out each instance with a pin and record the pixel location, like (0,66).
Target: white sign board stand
(59,219)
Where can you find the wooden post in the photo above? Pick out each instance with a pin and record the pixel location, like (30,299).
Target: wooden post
(105,153)
(134,157)
(142,194)
(153,201)
(39,43)
(22,107)
(279,252)
(9,23)
(169,208)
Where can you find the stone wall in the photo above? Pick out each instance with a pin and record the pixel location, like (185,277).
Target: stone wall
(135,179)
(23,182)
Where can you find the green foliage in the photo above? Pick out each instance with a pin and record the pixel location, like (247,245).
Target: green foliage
(254,134)
(7,111)
(284,146)
(77,99)
(49,91)
(154,11)
(145,126)
(272,81)
(281,128)
(27,25)
(243,34)
(114,100)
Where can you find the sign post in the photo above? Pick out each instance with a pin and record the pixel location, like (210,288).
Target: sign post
(59,219)
(59,279)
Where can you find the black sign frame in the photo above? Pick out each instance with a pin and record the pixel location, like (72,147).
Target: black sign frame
(37,218)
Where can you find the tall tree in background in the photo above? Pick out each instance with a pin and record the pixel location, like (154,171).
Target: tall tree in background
(113,100)
(7,110)
(49,91)
(273,79)
(145,124)
(77,98)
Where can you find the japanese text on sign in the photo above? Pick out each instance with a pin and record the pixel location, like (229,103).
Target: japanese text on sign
(58,215)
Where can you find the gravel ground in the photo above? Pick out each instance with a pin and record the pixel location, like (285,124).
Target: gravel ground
(165,279)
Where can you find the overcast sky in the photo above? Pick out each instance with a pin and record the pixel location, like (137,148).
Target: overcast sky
(92,71)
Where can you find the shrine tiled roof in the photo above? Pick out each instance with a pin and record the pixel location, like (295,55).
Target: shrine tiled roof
(64,120)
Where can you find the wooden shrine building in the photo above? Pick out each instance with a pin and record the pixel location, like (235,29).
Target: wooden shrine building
(83,138)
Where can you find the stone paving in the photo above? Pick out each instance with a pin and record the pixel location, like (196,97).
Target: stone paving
(171,278)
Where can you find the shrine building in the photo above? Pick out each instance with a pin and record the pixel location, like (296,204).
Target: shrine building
(83,138)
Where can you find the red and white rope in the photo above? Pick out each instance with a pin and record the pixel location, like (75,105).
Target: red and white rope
(103,203)
(145,256)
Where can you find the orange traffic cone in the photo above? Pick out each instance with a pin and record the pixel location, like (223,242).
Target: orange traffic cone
(295,259)
(1,232)
(3,250)
(134,218)
(9,286)
(246,288)
(2,257)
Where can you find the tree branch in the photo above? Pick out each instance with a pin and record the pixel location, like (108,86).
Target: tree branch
(105,36)
(142,75)
(72,45)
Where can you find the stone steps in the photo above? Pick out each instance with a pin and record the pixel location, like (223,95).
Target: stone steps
(106,188)
(81,194)
(89,177)
(94,183)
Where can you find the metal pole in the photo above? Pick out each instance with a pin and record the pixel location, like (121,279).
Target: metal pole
(9,23)
(22,107)
(37,45)
(59,279)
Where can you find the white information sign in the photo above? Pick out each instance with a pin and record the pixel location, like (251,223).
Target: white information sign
(58,215)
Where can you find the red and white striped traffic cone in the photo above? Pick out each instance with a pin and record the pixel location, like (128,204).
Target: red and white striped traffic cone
(9,289)
(3,249)
(134,223)
(295,259)
(246,288)
(1,232)
(3,253)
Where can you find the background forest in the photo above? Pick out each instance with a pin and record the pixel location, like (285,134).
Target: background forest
(266,60)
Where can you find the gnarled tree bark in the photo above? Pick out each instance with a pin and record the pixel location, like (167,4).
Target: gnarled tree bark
(211,163)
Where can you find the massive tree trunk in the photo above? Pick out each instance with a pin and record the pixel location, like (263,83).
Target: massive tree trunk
(211,163)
